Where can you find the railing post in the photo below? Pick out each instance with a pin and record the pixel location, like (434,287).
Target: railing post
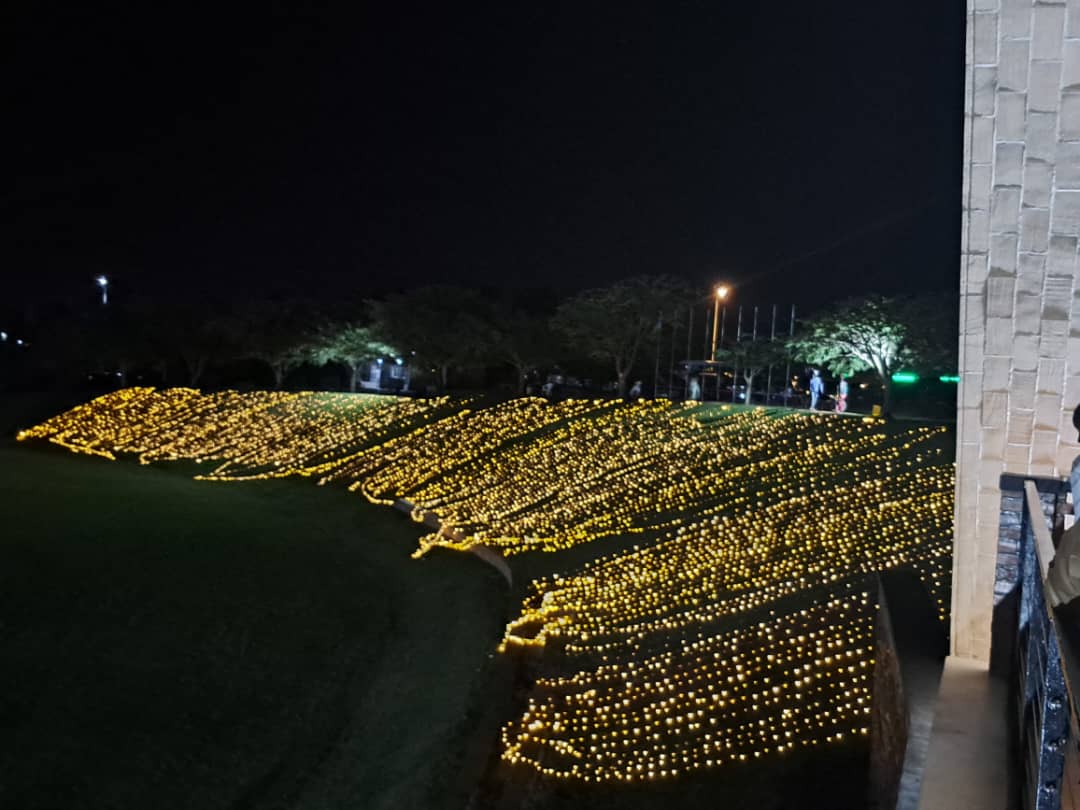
(1027,635)
(1054,736)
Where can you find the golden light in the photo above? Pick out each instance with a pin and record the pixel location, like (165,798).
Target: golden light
(739,625)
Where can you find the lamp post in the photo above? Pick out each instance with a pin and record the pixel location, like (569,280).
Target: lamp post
(721,295)
(103,282)
(717,320)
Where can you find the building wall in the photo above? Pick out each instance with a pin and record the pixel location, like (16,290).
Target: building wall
(1019,301)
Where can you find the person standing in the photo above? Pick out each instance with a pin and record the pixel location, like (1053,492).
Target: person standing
(1063,577)
(841,395)
(817,388)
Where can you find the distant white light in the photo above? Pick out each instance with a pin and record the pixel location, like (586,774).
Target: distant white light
(3,335)
(398,361)
(379,361)
(18,342)
(103,282)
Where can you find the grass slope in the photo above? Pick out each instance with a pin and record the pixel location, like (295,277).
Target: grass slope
(176,644)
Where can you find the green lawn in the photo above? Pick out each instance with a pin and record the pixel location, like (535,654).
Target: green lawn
(167,643)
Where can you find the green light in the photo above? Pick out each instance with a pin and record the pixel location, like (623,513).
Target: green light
(949,378)
(905,377)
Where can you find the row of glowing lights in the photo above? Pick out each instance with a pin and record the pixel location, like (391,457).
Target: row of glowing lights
(558,490)
(646,474)
(408,462)
(622,470)
(898,514)
(470,498)
(506,464)
(256,430)
(710,571)
(252,435)
(542,494)
(792,681)
(318,432)
(778,554)
(272,435)
(256,436)
(620,449)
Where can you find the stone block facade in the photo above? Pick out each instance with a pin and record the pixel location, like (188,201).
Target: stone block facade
(1020,301)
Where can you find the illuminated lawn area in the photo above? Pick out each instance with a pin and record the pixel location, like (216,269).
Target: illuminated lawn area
(170,643)
(692,619)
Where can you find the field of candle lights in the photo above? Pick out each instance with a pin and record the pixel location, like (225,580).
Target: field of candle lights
(739,626)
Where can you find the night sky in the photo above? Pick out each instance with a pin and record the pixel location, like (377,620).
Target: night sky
(805,150)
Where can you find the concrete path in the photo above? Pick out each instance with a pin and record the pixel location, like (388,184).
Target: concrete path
(967,762)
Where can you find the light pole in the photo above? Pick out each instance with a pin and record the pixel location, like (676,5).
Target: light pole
(103,282)
(721,295)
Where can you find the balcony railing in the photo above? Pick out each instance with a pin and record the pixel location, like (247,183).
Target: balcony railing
(1046,713)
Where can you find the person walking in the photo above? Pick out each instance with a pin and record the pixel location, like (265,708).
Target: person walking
(841,395)
(817,388)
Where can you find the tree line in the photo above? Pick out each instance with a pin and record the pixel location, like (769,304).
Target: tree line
(607,332)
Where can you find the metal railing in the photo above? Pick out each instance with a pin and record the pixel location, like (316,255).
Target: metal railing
(1044,706)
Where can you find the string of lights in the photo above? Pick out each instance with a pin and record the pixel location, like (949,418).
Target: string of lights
(796,680)
(736,628)
(726,566)
(252,435)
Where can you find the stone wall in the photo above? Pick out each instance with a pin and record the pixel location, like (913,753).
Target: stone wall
(1052,494)
(889,714)
(1019,314)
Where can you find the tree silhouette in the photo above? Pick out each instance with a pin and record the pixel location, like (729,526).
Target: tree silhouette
(351,344)
(447,327)
(277,333)
(882,335)
(524,341)
(612,323)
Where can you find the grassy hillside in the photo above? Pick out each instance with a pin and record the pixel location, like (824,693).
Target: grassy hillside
(692,615)
(173,644)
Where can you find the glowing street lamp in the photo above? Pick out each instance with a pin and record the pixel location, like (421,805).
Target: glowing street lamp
(721,295)
(103,282)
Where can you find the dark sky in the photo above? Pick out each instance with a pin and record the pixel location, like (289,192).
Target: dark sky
(814,147)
